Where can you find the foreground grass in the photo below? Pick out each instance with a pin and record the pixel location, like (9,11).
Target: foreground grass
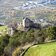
(48,49)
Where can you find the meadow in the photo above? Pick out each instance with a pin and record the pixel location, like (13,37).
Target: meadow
(48,49)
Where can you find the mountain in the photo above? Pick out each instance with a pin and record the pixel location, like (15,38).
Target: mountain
(52,2)
(36,4)
(15,2)
(8,6)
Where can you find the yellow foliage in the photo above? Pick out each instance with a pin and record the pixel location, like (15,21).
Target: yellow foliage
(16,52)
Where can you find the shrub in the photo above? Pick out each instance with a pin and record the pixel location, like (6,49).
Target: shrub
(4,40)
(16,52)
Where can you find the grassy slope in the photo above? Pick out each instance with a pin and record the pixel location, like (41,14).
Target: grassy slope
(48,49)
(3,28)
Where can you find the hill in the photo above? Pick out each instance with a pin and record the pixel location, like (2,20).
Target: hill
(48,49)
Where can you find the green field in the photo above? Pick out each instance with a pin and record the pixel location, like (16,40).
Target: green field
(3,28)
(48,49)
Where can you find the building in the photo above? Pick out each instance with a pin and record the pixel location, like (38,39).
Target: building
(27,22)
(10,31)
(12,27)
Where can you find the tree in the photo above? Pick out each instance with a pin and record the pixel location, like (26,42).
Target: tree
(4,40)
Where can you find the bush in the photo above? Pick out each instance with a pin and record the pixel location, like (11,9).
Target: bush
(4,40)
(49,33)
(16,52)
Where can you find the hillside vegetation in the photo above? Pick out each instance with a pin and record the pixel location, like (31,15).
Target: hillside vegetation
(9,44)
(48,49)
(41,13)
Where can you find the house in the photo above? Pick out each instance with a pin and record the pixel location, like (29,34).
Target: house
(12,28)
(27,22)
(10,31)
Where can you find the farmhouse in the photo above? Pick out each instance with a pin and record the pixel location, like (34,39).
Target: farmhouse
(27,23)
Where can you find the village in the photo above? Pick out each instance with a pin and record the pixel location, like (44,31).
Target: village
(25,25)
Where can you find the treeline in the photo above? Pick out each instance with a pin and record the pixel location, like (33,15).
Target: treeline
(21,38)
